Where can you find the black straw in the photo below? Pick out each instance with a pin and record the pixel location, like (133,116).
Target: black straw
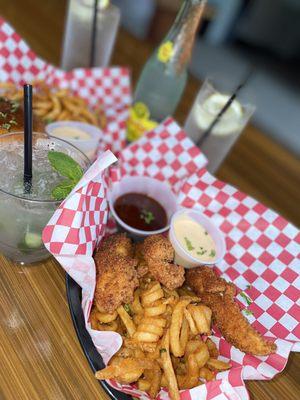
(225,108)
(27,137)
(94,34)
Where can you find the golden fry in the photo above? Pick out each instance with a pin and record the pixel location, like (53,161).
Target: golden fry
(125,370)
(201,355)
(112,326)
(212,348)
(167,367)
(202,317)
(191,322)
(136,304)
(155,381)
(104,318)
(206,374)
(56,110)
(218,365)
(175,327)
(143,384)
(127,321)
(146,337)
(184,333)
(155,310)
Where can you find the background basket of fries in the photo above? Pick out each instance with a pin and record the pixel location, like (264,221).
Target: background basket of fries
(98,96)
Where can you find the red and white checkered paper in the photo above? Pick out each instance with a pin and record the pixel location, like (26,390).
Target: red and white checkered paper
(107,88)
(262,250)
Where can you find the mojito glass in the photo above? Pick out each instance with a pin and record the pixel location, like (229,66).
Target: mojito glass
(23,216)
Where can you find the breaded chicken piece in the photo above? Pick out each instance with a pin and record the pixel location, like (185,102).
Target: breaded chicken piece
(159,255)
(218,295)
(118,244)
(206,280)
(116,274)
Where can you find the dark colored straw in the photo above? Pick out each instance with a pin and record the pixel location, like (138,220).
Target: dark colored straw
(27,137)
(94,34)
(225,108)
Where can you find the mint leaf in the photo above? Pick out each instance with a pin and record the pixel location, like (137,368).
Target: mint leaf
(61,191)
(65,165)
(247,312)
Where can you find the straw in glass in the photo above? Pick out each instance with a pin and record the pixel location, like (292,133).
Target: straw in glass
(224,108)
(27,138)
(94,34)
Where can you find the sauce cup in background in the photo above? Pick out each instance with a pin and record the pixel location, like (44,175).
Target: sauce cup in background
(91,135)
(159,191)
(182,256)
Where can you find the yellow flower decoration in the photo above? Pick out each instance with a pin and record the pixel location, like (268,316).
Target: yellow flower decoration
(165,51)
(139,122)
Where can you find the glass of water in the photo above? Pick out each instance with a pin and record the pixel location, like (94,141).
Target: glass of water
(23,216)
(217,144)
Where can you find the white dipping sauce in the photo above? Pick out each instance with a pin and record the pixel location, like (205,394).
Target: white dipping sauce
(69,132)
(194,238)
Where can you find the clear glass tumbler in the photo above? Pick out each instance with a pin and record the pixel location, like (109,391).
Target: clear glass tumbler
(217,144)
(23,216)
(76,51)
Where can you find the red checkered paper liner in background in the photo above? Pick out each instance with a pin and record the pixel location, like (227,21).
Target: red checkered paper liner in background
(107,88)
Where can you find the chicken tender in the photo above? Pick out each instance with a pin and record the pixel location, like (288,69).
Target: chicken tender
(218,295)
(115,245)
(116,275)
(159,255)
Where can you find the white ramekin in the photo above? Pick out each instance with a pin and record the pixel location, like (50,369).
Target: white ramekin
(182,257)
(89,146)
(154,188)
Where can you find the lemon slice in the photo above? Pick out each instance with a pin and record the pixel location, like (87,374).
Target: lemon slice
(141,110)
(104,3)
(230,121)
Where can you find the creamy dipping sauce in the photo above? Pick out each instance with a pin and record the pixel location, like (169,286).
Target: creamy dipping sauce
(194,238)
(69,132)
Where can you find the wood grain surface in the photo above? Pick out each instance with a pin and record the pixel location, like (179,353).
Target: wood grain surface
(40,356)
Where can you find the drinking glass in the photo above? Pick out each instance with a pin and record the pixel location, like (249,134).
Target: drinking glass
(24,216)
(217,144)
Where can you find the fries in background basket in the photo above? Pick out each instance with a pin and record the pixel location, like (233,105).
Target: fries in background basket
(162,342)
(52,104)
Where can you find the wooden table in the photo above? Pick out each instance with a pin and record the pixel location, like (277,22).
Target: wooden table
(40,357)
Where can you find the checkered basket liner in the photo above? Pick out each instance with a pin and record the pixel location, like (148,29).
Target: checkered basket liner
(105,88)
(262,251)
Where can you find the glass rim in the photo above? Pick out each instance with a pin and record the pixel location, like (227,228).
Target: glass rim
(50,201)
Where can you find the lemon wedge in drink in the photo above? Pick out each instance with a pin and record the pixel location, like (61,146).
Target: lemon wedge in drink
(230,121)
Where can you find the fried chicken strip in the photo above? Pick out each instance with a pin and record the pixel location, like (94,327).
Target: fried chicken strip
(218,295)
(159,254)
(116,274)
